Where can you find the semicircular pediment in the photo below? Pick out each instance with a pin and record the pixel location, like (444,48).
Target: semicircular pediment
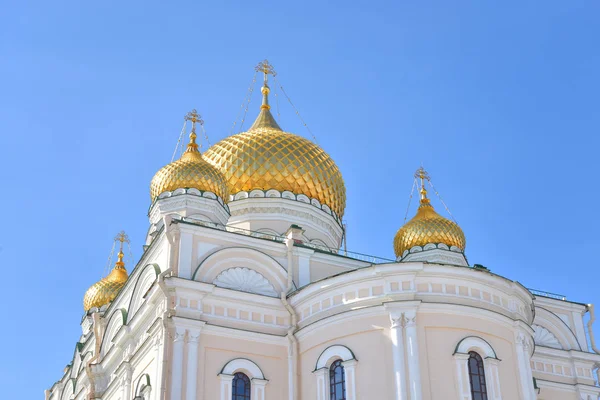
(543,337)
(245,280)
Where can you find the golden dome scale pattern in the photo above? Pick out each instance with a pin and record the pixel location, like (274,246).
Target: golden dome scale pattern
(105,290)
(265,157)
(190,171)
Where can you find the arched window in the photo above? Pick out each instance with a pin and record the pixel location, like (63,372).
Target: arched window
(337,381)
(241,387)
(477,377)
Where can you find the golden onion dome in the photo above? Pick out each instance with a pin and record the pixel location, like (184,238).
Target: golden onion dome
(190,171)
(265,157)
(105,290)
(428,227)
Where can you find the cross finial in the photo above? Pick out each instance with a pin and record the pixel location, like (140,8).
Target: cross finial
(423,175)
(194,117)
(123,238)
(265,68)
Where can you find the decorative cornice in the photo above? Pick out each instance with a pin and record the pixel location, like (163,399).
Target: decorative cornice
(294,213)
(179,194)
(436,253)
(272,193)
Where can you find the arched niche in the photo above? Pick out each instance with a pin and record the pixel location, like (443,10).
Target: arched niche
(557,327)
(242,257)
(332,353)
(243,365)
(475,343)
(144,281)
(116,320)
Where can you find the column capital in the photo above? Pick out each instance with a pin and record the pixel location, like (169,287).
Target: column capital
(410,318)
(402,312)
(193,336)
(178,334)
(259,382)
(491,361)
(226,377)
(349,363)
(461,356)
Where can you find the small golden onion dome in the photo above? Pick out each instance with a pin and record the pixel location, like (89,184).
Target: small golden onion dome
(105,290)
(265,157)
(428,227)
(190,171)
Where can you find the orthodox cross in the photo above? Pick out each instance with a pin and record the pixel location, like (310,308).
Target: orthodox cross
(265,68)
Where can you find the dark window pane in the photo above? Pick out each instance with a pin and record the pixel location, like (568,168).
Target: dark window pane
(337,380)
(477,377)
(240,389)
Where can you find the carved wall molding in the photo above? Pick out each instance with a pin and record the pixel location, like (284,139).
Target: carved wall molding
(245,280)
(544,337)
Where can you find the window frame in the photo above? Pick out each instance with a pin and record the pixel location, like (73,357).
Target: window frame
(323,365)
(248,368)
(490,367)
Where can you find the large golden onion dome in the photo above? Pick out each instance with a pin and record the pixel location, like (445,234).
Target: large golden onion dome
(190,171)
(106,289)
(265,157)
(428,227)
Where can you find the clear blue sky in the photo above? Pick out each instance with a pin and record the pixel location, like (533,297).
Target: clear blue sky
(499,100)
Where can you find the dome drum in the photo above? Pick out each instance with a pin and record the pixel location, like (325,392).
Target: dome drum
(191,203)
(435,253)
(276,214)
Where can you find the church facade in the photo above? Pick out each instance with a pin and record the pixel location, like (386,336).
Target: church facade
(243,293)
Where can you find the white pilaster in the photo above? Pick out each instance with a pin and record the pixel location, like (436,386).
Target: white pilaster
(258,388)
(158,350)
(185,254)
(492,378)
(412,350)
(192,364)
(127,382)
(322,379)
(226,381)
(397,335)
(524,363)
(462,375)
(303,266)
(349,371)
(177,367)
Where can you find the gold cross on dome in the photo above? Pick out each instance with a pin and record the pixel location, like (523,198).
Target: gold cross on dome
(422,175)
(194,117)
(265,68)
(122,237)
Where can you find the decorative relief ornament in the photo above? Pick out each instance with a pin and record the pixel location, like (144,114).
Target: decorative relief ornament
(245,280)
(544,337)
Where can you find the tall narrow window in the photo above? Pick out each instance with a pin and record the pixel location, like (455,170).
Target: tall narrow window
(337,381)
(477,377)
(240,389)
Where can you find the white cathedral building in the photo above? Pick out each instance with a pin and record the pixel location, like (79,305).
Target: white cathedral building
(243,293)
